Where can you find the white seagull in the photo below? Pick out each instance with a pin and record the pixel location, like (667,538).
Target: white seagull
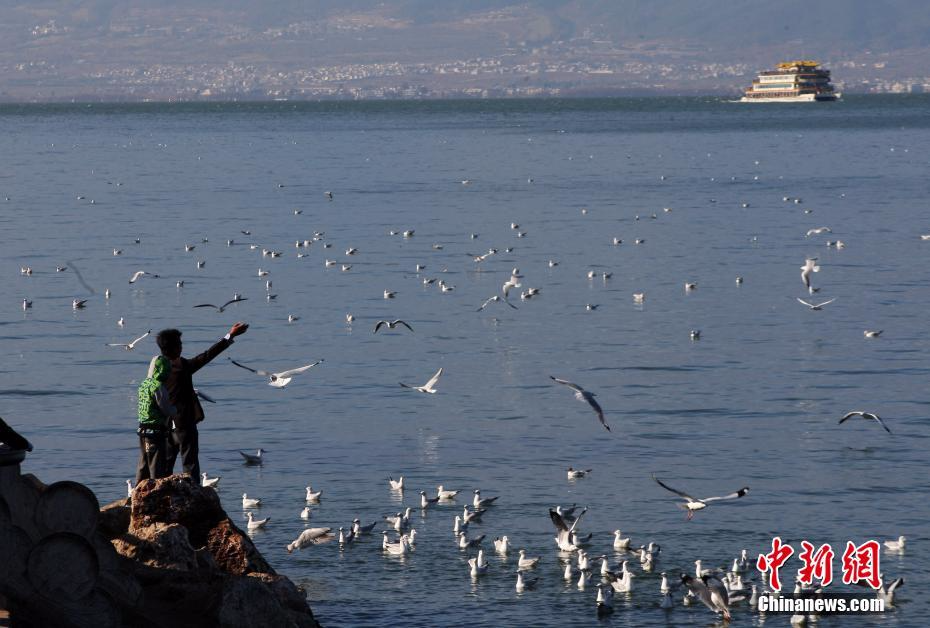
(810,266)
(313,497)
(139,274)
(255,458)
(391,325)
(583,395)
(255,524)
(693,504)
(221,308)
(526,563)
(565,532)
(278,380)
(816,307)
(895,546)
(248,502)
(818,231)
(444,494)
(574,474)
(495,299)
(711,592)
(310,536)
(208,482)
(865,415)
(870,333)
(129,346)
(502,544)
(428,387)
(396,485)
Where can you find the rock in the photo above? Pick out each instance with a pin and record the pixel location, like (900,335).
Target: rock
(247,603)
(176,499)
(234,552)
(114,519)
(287,594)
(159,545)
(169,556)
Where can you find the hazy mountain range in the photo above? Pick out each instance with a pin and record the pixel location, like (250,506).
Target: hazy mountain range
(160,48)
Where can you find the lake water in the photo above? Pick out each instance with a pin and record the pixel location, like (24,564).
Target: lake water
(754,402)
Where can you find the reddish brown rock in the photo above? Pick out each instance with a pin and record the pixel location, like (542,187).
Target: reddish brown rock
(234,552)
(176,499)
(159,545)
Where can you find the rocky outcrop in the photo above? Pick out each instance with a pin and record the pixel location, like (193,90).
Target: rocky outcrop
(168,556)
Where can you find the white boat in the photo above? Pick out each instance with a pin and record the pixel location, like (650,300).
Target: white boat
(792,81)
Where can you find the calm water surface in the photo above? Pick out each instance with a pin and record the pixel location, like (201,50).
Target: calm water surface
(754,402)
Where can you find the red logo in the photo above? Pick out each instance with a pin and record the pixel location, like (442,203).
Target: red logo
(817,564)
(861,563)
(774,560)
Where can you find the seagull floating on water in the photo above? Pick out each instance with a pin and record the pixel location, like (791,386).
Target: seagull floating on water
(312,496)
(248,502)
(255,524)
(255,458)
(396,485)
(208,482)
(872,333)
(895,546)
(574,474)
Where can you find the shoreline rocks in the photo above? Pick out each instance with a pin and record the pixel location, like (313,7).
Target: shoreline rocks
(167,556)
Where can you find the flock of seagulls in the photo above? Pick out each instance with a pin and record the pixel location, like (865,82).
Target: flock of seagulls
(577,553)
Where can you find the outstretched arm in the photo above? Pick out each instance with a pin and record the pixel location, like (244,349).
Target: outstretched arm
(199,361)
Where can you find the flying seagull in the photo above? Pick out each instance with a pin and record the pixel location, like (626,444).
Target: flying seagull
(391,325)
(494,299)
(130,346)
(583,395)
(865,415)
(220,308)
(139,274)
(428,387)
(817,307)
(817,231)
(810,266)
(278,380)
(693,504)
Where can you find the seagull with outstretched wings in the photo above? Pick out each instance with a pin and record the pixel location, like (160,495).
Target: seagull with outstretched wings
(584,395)
(865,415)
(221,308)
(278,380)
(693,504)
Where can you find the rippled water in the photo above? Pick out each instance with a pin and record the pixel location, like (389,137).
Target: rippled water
(754,402)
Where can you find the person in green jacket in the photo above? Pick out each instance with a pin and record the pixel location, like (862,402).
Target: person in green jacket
(155,416)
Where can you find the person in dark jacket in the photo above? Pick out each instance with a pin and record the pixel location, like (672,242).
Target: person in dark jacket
(184,439)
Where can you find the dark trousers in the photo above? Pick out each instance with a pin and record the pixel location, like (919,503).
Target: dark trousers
(153,457)
(187,444)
